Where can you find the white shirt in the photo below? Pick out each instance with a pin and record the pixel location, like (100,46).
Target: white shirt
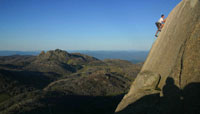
(161,20)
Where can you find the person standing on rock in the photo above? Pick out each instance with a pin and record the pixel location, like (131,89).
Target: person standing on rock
(160,24)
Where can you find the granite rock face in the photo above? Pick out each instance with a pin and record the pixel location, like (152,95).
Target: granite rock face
(175,54)
(146,83)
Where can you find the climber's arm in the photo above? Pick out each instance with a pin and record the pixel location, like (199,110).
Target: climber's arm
(164,20)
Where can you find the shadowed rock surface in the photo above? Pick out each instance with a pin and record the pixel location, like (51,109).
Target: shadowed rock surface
(173,101)
(175,53)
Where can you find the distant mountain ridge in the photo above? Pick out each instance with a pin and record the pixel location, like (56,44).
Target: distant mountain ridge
(132,56)
(9,53)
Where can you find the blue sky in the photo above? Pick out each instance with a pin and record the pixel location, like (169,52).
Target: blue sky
(28,25)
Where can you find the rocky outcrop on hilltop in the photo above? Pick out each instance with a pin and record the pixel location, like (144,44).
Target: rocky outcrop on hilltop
(175,56)
(60,61)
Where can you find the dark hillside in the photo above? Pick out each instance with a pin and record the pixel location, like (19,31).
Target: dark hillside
(60,82)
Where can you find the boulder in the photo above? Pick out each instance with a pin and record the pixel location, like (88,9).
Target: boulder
(146,83)
(174,54)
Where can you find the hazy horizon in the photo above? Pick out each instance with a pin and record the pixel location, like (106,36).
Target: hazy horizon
(76,50)
(132,56)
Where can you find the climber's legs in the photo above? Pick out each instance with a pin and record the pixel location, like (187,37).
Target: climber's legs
(159,26)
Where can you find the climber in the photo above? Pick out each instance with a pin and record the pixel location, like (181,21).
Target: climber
(160,24)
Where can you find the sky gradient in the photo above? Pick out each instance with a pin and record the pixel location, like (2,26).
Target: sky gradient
(28,25)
